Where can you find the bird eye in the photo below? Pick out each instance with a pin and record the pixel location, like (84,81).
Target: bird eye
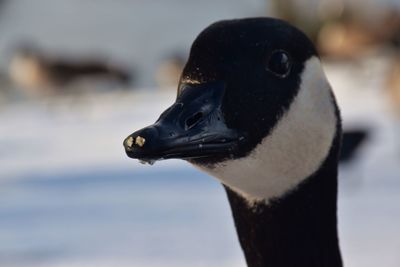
(279,63)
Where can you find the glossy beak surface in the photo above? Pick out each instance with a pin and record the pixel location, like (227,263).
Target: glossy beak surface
(192,128)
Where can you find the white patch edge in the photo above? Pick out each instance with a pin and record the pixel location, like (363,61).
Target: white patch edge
(295,148)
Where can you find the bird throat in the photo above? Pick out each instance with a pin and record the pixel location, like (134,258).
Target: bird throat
(296,229)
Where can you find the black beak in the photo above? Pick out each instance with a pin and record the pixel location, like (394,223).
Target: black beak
(192,128)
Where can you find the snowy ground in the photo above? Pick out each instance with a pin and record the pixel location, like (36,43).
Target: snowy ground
(70,197)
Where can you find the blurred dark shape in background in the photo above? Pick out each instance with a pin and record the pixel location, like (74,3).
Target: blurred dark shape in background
(169,70)
(37,73)
(352,140)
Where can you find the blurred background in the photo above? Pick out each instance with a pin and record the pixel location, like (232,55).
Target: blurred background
(77,77)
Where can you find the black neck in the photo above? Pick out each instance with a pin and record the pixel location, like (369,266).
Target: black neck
(299,229)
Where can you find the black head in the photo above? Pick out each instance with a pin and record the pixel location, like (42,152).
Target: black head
(255,110)
(241,76)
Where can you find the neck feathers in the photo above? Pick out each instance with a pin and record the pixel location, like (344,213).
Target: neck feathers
(297,229)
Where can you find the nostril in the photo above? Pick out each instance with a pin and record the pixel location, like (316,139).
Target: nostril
(193,120)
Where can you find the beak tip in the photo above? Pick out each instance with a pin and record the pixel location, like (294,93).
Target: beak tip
(128,142)
(139,141)
(136,146)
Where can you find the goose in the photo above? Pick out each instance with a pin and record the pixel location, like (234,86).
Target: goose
(254,109)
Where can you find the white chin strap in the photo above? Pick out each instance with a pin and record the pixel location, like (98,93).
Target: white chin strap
(295,148)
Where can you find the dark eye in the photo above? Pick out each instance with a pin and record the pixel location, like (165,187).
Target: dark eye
(279,63)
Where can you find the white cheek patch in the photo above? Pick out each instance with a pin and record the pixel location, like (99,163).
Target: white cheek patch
(294,149)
